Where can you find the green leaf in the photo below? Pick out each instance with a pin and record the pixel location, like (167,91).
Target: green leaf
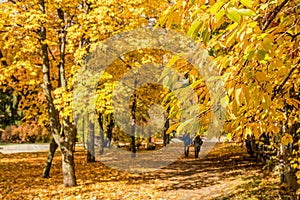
(246,12)
(261,54)
(192,1)
(205,35)
(246,3)
(193,31)
(234,15)
(215,8)
(220,14)
(251,54)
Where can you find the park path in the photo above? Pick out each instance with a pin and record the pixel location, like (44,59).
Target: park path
(31,148)
(226,172)
(25,148)
(22,148)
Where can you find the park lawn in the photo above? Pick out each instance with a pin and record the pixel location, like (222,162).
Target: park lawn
(226,173)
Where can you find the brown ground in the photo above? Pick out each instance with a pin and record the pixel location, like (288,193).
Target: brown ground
(226,173)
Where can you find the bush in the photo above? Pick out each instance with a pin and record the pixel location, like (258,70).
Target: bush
(26,132)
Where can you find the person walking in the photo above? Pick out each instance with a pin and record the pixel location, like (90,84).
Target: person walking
(187,143)
(197,145)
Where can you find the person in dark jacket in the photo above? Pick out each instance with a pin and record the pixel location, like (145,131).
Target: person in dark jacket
(197,145)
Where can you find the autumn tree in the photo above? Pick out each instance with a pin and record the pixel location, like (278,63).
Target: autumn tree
(143,97)
(46,43)
(255,45)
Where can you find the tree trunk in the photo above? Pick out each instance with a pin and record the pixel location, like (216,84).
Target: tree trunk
(52,149)
(133,110)
(67,147)
(101,142)
(133,148)
(67,136)
(166,137)
(82,132)
(109,129)
(47,88)
(90,157)
(68,167)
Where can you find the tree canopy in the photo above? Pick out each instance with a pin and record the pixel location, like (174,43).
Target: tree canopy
(253,43)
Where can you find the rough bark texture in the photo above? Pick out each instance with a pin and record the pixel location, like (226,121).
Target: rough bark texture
(133,147)
(68,168)
(166,136)
(133,110)
(90,157)
(82,132)
(109,129)
(52,149)
(67,147)
(101,142)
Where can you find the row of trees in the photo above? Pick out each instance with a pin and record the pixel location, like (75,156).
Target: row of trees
(255,44)
(44,43)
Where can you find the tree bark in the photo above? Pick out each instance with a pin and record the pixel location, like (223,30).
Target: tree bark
(133,110)
(67,147)
(109,129)
(68,167)
(82,132)
(133,148)
(166,136)
(52,149)
(101,142)
(62,43)
(90,157)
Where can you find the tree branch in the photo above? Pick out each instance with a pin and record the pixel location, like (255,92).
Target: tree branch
(273,14)
(289,34)
(280,87)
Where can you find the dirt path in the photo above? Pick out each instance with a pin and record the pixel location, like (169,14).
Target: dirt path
(22,148)
(226,173)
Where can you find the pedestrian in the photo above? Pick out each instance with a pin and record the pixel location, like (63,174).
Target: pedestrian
(173,133)
(197,145)
(187,143)
(250,145)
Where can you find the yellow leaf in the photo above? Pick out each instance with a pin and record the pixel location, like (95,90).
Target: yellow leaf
(234,15)
(286,139)
(267,43)
(239,96)
(246,3)
(173,127)
(261,76)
